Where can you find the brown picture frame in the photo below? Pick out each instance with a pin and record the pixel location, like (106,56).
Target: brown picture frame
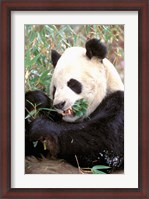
(142,6)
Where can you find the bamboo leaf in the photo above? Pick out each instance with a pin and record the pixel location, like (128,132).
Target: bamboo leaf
(97,169)
(101,167)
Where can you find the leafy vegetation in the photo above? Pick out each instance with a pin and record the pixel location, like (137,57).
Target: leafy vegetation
(79,108)
(40,39)
(35,112)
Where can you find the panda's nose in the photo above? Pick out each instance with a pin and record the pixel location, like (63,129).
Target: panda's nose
(59,105)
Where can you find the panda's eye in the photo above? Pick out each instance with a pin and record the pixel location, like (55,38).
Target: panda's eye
(54,90)
(75,85)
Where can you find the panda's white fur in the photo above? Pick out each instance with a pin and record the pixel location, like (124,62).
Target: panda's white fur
(97,78)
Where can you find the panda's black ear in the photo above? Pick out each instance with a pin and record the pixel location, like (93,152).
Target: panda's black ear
(95,48)
(54,57)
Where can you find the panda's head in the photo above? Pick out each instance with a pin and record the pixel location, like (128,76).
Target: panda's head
(80,73)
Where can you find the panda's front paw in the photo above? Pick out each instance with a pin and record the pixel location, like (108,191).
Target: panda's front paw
(41,131)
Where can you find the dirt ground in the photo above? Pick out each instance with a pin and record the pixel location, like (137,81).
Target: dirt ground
(46,166)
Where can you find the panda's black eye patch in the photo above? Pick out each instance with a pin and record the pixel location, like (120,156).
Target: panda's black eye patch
(75,85)
(54,90)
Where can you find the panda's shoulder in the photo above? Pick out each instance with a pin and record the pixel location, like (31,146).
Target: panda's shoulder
(114,98)
(113,103)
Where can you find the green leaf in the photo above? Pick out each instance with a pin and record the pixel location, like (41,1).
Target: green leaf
(35,144)
(34,60)
(101,167)
(39,38)
(29,62)
(32,36)
(47,109)
(31,114)
(44,75)
(27,58)
(80,107)
(97,172)
(96,169)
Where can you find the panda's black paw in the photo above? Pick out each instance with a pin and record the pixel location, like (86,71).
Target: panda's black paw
(41,130)
(36,99)
(38,104)
(95,48)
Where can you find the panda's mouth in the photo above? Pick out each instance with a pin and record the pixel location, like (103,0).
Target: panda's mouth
(68,112)
(78,109)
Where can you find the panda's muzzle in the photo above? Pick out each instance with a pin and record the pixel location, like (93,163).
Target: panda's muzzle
(60,106)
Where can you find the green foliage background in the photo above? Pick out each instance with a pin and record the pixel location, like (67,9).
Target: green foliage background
(40,39)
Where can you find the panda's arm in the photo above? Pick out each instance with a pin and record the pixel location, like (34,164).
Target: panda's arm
(66,138)
(103,130)
(37,103)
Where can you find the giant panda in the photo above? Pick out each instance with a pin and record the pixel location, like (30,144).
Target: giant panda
(95,137)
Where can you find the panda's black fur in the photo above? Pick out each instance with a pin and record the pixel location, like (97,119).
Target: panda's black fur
(97,140)
(95,48)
